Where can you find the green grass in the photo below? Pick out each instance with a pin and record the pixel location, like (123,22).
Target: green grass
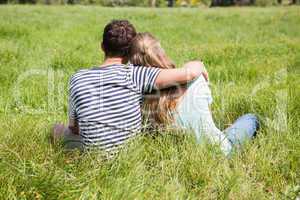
(252,54)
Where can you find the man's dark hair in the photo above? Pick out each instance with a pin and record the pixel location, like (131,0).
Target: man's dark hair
(117,38)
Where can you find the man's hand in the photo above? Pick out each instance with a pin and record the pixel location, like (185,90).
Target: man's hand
(198,67)
(172,77)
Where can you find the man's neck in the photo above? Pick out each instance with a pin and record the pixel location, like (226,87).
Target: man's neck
(112,61)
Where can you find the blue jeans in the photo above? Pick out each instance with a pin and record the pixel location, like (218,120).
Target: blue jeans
(193,112)
(243,129)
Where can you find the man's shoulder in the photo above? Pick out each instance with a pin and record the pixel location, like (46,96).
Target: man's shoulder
(85,73)
(131,66)
(80,74)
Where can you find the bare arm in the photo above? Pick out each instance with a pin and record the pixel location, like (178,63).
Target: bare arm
(171,77)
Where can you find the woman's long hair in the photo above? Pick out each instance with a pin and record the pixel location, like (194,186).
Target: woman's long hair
(147,51)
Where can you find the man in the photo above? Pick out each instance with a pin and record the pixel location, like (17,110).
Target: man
(105,102)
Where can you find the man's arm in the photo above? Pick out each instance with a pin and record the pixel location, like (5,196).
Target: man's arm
(171,77)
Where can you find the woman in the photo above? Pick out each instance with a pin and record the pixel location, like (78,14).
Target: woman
(187,106)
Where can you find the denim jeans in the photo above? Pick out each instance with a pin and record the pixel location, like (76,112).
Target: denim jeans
(72,141)
(193,112)
(243,129)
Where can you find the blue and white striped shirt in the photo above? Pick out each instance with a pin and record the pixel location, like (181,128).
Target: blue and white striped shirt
(106,103)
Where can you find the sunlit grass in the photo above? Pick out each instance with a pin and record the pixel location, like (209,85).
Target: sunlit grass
(252,55)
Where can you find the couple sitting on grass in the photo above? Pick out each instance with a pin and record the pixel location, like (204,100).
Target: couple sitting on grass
(107,102)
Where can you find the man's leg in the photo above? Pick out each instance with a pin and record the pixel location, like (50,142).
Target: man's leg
(243,129)
(70,140)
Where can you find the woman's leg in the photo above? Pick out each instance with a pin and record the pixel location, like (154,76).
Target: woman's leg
(243,129)
(193,112)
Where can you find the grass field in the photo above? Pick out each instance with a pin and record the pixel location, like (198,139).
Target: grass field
(252,54)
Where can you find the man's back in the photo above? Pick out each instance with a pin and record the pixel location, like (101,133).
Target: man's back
(105,101)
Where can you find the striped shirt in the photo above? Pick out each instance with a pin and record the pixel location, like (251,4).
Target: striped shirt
(106,103)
